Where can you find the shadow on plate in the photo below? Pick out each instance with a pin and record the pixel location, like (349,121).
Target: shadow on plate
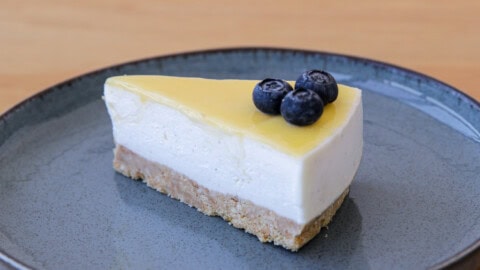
(203,240)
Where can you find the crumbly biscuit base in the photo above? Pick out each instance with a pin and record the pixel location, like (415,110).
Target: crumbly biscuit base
(264,223)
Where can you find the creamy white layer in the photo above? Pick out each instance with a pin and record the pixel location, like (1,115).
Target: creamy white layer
(299,188)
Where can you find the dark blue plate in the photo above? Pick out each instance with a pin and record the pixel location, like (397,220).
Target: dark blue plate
(414,203)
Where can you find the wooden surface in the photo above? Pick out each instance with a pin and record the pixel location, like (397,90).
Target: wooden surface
(45,42)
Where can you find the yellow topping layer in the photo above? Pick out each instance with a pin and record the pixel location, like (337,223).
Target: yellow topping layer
(228,104)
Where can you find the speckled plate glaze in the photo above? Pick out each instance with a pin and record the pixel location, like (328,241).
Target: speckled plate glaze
(414,202)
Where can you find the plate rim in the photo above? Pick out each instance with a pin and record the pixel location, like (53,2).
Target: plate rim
(469,256)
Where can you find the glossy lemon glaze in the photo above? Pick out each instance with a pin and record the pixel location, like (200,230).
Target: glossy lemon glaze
(228,105)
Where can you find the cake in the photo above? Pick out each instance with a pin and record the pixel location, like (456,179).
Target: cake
(203,142)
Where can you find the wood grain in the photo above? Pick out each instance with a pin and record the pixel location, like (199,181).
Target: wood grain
(45,42)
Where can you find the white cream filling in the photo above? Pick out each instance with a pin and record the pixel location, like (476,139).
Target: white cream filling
(298,188)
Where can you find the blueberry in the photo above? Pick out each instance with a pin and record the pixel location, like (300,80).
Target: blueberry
(321,82)
(302,107)
(268,94)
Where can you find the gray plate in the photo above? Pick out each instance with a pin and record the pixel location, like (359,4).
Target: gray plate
(414,202)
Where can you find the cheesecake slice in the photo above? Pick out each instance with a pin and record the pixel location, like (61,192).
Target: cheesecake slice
(204,143)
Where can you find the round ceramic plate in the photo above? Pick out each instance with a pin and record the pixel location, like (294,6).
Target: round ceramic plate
(414,202)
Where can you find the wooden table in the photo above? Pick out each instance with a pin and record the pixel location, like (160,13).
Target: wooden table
(45,42)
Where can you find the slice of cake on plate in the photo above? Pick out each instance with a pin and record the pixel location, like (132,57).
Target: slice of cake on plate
(205,143)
